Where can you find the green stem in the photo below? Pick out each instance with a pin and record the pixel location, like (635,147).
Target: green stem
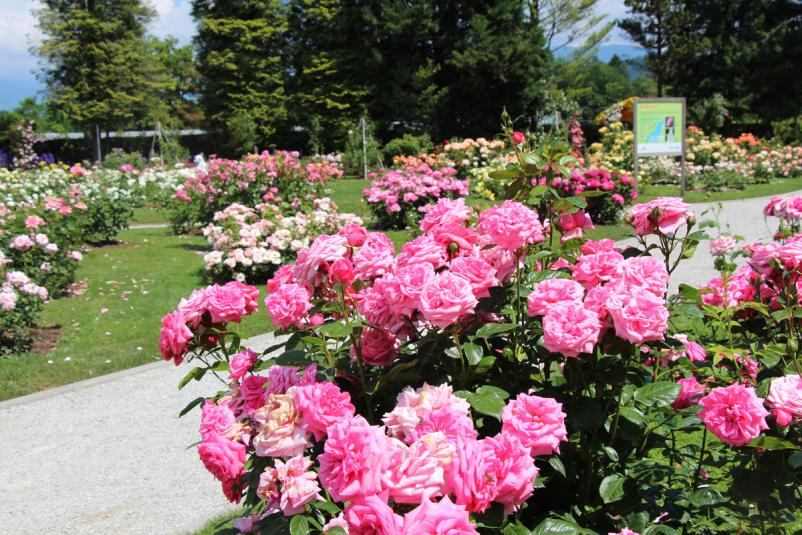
(701,458)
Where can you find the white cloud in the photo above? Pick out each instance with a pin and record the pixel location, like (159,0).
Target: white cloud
(173,19)
(17,33)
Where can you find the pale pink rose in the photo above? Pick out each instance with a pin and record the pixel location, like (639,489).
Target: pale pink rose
(354,234)
(446,298)
(734,414)
(51,248)
(41,239)
(8,300)
(663,214)
(324,251)
(539,423)
(268,490)
(77,170)
(690,394)
(288,305)
(225,303)
(469,477)
(175,336)
(34,221)
(596,268)
(223,458)
(416,471)
(375,258)
(785,399)
(241,363)
(443,517)
(645,272)
(601,246)
(445,213)
(355,457)
(54,203)
(298,485)
(515,471)
(216,420)
(480,274)
(279,431)
(247,524)
(638,315)
(503,261)
(552,292)
(422,250)
(377,347)
(570,329)
(21,243)
(722,245)
(321,405)
(370,515)
(625,531)
(75,255)
(414,408)
(511,225)
(572,225)
(81,206)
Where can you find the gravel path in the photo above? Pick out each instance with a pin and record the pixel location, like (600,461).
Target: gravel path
(136,226)
(108,455)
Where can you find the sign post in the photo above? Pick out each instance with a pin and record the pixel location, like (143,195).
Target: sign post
(659,129)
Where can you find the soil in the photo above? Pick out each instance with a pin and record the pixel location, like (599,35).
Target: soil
(45,339)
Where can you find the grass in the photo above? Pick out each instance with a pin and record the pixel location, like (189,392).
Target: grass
(149,215)
(137,281)
(776,187)
(220,524)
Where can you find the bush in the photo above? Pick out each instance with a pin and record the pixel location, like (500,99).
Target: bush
(354,158)
(407,145)
(788,131)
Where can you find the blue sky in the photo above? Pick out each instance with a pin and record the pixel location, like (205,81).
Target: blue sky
(18,33)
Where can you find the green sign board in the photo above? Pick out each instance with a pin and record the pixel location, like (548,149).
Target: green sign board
(659,126)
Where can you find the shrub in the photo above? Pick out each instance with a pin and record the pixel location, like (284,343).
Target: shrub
(407,145)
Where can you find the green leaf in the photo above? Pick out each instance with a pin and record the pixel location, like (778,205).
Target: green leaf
(772,443)
(705,496)
(689,292)
(337,530)
(299,525)
(660,394)
(612,488)
(191,405)
(491,329)
(194,373)
(473,353)
(488,400)
(335,330)
(327,506)
(293,357)
(484,365)
(795,459)
(660,529)
(611,453)
(537,191)
(555,526)
(592,193)
(557,464)
(513,529)
(503,174)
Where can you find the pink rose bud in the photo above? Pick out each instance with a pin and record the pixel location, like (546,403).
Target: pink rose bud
(341,271)
(518,138)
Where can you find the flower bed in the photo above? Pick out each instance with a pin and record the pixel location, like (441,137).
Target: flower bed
(397,196)
(250,243)
(477,381)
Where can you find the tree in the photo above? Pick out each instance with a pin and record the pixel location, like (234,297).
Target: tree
(180,93)
(573,22)
(96,66)
(239,48)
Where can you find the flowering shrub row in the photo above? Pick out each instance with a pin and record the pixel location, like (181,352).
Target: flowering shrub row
(475,380)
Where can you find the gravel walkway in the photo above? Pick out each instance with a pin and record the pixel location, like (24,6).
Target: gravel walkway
(109,455)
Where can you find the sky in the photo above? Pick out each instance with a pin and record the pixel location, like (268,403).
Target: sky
(18,33)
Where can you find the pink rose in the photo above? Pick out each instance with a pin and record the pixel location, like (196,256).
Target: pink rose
(645,272)
(722,245)
(323,251)
(376,347)
(252,392)
(417,470)
(241,363)
(223,458)
(515,471)
(298,484)
(34,221)
(571,225)
(225,303)
(570,329)
(539,423)
(511,225)
(638,315)
(552,292)
(370,515)
(354,234)
(663,214)
(375,258)
(734,414)
(442,517)
(341,272)
(322,405)
(279,432)
(216,420)
(429,409)
(518,138)
(445,213)
(469,476)
(288,305)
(785,399)
(596,268)
(690,393)
(175,336)
(422,250)
(480,274)
(445,298)
(601,246)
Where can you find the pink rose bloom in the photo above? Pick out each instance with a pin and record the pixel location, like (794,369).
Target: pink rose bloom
(446,298)
(785,399)
(282,378)
(518,138)
(284,275)
(223,458)
(722,245)
(539,423)
(645,272)
(694,351)
(422,250)
(279,430)
(411,280)
(193,308)
(433,407)
(375,258)
(596,268)
(417,471)
(249,293)
(298,485)
(34,221)
(376,347)
(469,477)
(625,531)
(370,515)
(288,305)
(225,303)
(734,414)
(617,199)
(601,246)
(355,457)
(445,213)
(690,393)
(21,243)
(511,225)
(515,471)
(253,393)
(322,405)
(65,210)
(571,225)
(503,261)
(638,315)
(663,214)
(552,292)
(323,251)
(336,522)
(341,272)
(354,234)
(570,329)
(480,274)
(175,336)
(216,420)
(77,170)
(241,363)
(443,517)
(448,420)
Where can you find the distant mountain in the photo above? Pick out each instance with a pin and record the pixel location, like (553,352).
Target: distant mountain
(606,52)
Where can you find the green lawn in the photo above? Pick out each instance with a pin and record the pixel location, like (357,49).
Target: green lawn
(137,281)
(221,524)
(776,187)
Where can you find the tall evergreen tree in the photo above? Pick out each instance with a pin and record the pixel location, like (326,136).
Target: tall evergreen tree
(96,66)
(239,46)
